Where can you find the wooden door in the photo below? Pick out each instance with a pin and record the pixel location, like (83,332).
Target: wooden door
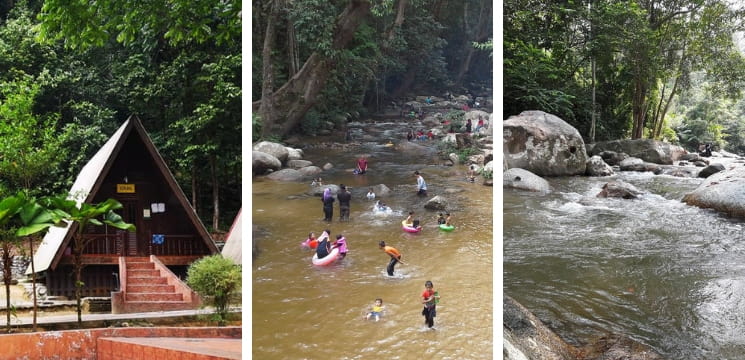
(134,243)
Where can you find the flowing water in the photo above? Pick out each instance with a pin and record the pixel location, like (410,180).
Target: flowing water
(668,275)
(301,311)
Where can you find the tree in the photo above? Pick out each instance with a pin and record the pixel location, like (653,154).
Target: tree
(283,109)
(217,279)
(81,215)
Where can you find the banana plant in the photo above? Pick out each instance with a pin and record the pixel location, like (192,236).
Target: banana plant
(85,214)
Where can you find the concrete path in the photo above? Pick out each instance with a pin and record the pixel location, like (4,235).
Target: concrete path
(47,318)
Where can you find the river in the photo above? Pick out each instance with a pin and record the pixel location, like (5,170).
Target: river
(300,311)
(666,274)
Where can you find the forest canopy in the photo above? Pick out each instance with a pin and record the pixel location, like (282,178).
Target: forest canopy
(71,74)
(333,61)
(667,70)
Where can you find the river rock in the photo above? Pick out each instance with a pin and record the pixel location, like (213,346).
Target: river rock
(328,166)
(436,203)
(636,164)
(652,151)
(597,167)
(524,180)
(454,158)
(527,337)
(310,170)
(381,190)
(263,162)
(612,158)
(693,157)
(286,175)
(297,164)
(677,171)
(722,192)
(294,154)
(317,190)
(710,170)
(279,151)
(619,189)
(543,144)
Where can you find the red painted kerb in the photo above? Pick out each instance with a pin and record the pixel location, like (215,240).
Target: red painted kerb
(85,344)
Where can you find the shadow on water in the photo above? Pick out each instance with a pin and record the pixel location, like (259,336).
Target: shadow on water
(664,273)
(301,311)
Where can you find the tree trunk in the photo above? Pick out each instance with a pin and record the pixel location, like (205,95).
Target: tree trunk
(300,93)
(215,194)
(194,188)
(639,109)
(6,281)
(33,278)
(78,263)
(266,108)
(400,16)
(479,33)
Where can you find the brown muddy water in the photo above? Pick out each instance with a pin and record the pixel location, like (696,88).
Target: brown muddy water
(300,311)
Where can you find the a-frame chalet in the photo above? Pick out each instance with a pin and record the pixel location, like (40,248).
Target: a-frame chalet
(139,270)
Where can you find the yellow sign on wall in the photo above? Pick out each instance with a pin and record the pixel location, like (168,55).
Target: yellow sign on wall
(125,188)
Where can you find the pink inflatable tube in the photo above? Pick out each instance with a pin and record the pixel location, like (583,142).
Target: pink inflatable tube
(328,259)
(410,229)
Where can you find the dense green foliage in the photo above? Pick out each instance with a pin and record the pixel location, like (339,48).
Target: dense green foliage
(400,47)
(71,75)
(217,280)
(643,68)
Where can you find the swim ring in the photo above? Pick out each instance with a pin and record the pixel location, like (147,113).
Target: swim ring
(410,229)
(328,259)
(447,227)
(309,243)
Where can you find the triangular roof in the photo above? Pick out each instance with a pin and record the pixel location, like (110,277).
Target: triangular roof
(233,242)
(89,181)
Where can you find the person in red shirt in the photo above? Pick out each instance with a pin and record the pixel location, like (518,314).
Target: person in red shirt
(361,165)
(393,253)
(430,298)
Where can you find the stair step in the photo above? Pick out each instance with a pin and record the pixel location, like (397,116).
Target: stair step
(151,288)
(143,273)
(146,281)
(154,297)
(140,266)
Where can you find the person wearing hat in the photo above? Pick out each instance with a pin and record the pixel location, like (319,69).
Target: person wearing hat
(344,198)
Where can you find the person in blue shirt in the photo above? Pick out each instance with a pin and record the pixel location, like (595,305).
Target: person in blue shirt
(421,185)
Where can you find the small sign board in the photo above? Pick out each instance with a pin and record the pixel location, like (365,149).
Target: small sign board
(125,188)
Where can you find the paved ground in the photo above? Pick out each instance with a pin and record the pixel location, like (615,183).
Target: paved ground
(51,318)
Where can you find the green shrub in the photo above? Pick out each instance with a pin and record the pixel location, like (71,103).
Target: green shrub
(217,280)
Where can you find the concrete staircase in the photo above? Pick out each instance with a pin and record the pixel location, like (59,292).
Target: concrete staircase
(147,286)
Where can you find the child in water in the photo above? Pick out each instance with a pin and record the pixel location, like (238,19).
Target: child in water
(440,219)
(447,220)
(341,243)
(311,241)
(370,194)
(376,310)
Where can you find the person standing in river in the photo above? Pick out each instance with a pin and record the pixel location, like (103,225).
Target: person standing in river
(421,185)
(429,299)
(393,253)
(344,199)
(328,205)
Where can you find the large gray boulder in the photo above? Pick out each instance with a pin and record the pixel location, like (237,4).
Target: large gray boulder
(310,170)
(436,203)
(317,190)
(524,180)
(711,170)
(526,337)
(652,151)
(619,189)
(722,191)
(286,175)
(543,144)
(597,167)
(263,163)
(279,151)
(298,164)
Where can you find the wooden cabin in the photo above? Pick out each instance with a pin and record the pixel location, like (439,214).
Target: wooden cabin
(127,168)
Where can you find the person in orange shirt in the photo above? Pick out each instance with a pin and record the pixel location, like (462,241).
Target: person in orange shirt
(394,254)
